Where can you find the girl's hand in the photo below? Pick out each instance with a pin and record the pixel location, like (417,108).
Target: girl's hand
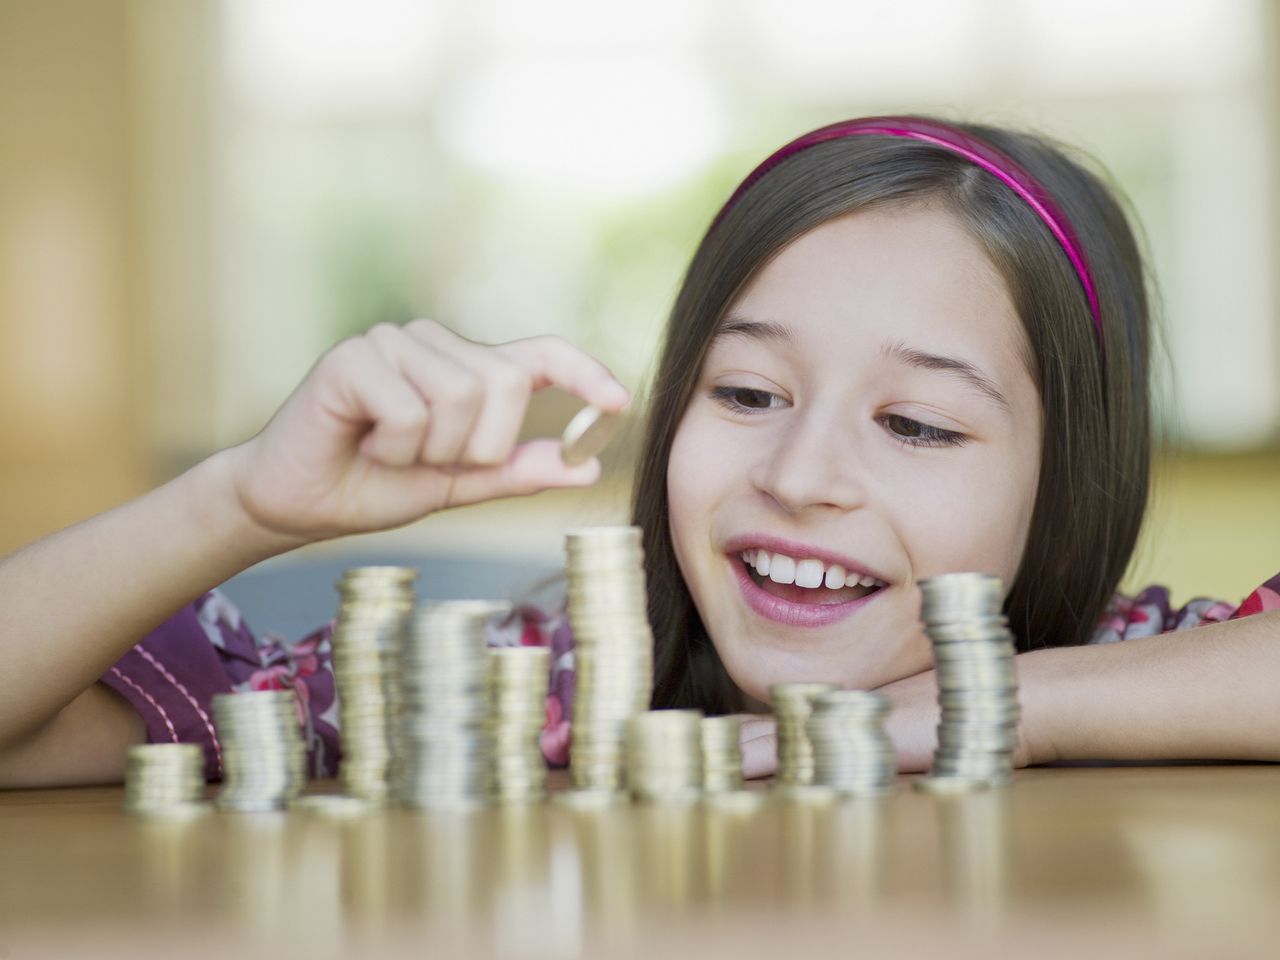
(403,421)
(759,745)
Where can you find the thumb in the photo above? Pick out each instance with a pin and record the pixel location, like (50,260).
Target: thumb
(533,466)
(759,747)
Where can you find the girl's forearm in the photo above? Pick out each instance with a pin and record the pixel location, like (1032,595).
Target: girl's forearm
(1205,693)
(73,603)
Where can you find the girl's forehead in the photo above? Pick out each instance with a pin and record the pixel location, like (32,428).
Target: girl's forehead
(874,278)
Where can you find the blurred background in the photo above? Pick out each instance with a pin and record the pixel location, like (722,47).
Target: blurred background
(197,198)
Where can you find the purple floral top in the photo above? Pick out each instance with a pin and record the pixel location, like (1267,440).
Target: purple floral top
(171,676)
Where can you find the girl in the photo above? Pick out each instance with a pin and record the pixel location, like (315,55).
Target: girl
(904,347)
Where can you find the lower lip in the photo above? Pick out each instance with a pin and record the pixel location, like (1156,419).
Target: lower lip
(795,614)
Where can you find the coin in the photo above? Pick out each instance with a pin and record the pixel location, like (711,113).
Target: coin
(664,755)
(852,753)
(589,799)
(792,704)
(335,806)
(263,754)
(376,604)
(974,657)
(443,743)
(951,784)
(735,801)
(587,434)
(613,650)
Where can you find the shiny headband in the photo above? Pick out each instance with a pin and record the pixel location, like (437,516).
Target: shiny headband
(965,145)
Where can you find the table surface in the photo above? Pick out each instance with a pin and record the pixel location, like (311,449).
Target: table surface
(1066,861)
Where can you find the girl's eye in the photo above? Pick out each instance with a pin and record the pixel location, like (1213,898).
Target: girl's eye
(918,434)
(742,399)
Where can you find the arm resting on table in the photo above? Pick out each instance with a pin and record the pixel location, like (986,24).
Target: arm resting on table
(1205,693)
(73,603)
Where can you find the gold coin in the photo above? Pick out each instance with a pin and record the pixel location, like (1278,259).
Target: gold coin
(940,784)
(587,434)
(338,806)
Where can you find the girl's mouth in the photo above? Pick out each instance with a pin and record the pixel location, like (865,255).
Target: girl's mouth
(796,605)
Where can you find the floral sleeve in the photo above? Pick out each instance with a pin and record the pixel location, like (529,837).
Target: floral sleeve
(1150,612)
(172,675)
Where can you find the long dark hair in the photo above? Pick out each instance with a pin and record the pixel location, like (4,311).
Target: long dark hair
(1095,461)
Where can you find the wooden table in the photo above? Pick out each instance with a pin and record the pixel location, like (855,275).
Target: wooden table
(1079,862)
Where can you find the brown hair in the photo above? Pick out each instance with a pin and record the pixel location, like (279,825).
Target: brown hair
(1095,460)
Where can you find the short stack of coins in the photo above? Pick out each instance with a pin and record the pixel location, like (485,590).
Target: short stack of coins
(852,753)
(664,756)
(164,779)
(977,686)
(792,705)
(376,603)
(443,756)
(518,681)
(721,754)
(613,649)
(264,760)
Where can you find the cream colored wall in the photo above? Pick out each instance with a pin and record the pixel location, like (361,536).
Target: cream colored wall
(69,432)
(109,305)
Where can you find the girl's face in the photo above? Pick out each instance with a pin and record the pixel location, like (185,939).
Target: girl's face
(865,418)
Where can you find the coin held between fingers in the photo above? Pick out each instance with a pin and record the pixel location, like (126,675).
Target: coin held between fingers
(587,434)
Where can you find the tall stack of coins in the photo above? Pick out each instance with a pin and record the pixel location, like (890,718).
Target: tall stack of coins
(263,756)
(664,756)
(851,751)
(376,602)
(977,686)
(518,679)
(792,704)
(164,779)
(443,747)
(721,754)
(613,644)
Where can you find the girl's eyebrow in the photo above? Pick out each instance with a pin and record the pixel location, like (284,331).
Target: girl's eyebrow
(771,331)
(962,369)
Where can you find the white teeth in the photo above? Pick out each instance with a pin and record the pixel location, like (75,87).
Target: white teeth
(809,573)
(762,562)
(782,569)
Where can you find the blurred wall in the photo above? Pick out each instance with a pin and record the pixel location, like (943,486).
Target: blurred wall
(70,433)
(198,197)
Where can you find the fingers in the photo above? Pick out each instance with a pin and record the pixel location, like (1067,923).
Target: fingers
(554,361)
(532,467)
(759,746)
(438,399)
(364,390)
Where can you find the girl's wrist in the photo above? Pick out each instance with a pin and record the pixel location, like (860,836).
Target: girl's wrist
(216,507)
(1039,727)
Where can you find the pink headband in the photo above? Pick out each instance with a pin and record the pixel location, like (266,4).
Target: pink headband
(972,149)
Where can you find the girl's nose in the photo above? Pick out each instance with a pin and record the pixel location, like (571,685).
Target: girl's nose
(811,461)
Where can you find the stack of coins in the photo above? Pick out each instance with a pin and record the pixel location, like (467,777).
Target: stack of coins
(664,756)
(851,751)
(518,679)
(721,754)
(977,687)
(792,704)
(443,745)
(164,779)
(613,647)
(263,756)
(376,602)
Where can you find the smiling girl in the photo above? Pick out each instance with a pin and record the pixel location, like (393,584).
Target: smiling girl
(904,348)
